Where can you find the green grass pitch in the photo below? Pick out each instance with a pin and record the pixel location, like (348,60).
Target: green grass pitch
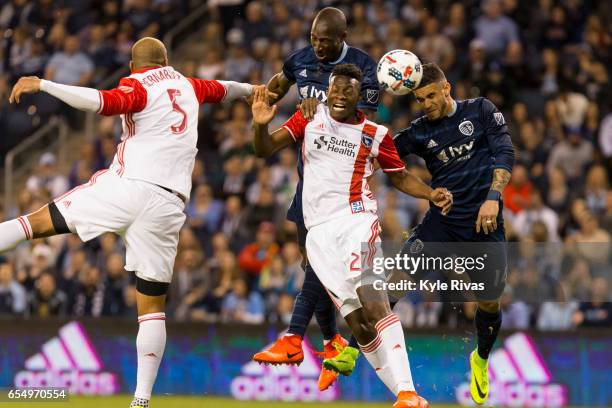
(123,401)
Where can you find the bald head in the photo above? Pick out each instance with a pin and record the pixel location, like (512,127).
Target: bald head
(148,52)
(328,33)
(333,18)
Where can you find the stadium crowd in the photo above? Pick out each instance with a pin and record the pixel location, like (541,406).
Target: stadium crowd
(545,64)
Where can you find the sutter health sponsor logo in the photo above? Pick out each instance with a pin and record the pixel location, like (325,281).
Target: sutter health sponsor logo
(333,144)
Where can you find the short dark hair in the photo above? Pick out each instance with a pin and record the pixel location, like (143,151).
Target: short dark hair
(349,70)
(432,73)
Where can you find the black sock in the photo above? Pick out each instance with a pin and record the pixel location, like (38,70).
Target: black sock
(305,302)
(487,328)
(325,313)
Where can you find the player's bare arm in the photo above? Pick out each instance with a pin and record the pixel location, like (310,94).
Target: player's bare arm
(278,86)
(487,216)
(265,143)
(308,107)
(414,186)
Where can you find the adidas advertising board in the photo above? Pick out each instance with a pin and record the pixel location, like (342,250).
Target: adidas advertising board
(98,357)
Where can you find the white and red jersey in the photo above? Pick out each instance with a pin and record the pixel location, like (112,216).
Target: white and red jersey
(159,108)
(338,159)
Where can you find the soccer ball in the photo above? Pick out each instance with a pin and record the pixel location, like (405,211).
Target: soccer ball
(399,72)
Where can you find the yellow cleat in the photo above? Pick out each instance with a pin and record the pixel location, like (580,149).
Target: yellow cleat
(479,388)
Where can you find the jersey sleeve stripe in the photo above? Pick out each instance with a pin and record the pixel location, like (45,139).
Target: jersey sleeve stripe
(101,102)
(394,170)
(290,132)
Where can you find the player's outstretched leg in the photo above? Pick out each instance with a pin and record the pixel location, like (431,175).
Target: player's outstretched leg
(488,322)
(43,223)
(151,338)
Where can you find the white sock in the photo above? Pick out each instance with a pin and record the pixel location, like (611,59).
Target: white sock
(375,354)
(396,356)
(14,232)
(150,344)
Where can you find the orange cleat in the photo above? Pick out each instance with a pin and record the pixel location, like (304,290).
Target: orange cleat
(286,350)
(331,350)
(410,399)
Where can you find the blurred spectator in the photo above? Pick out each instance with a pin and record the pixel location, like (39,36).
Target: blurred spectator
(240,306)
(204,212)
(495,29)
(557,315)
(596,189)
(558,195)
(48,178)
(46,300)
(233,223)
(13,297)
(572,107)
(89,295)
(142,16)
(516,194)
(516,312)
(114,286)
(537,211)
(255,256)
(597,312)
(571,155)
(71,66)
(239,64)
(256,25)
(435,47)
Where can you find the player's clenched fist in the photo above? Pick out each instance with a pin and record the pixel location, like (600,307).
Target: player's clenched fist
(442,198)
(263,113)
(25,85)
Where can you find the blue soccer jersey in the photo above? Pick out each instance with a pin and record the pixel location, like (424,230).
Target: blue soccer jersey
(461,151)
(311,77)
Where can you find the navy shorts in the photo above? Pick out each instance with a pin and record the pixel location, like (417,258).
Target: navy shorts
(434,230)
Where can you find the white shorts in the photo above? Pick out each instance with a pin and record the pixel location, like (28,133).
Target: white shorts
(337,249)
(145,215)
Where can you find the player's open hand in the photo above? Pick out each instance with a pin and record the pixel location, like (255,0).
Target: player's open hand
(272,96)
(308,107)
(25,85)
(442,198)
(263,113)
(487,216)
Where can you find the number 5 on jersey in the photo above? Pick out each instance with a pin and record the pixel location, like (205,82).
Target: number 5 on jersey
(177,130)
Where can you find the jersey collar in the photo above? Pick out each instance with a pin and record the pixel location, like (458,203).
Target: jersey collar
(342,54)
(360,117)
(140,71)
